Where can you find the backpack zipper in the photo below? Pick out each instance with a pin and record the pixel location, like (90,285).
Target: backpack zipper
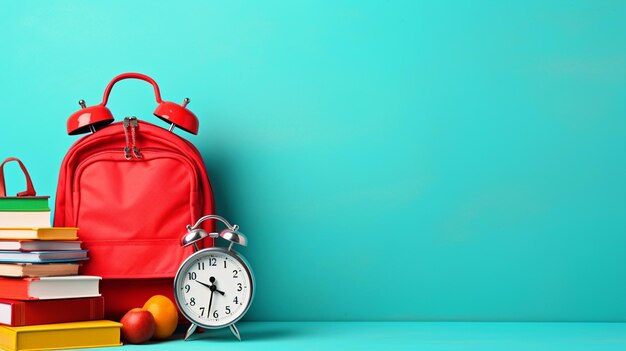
(131,122)
(125,125)
(134,129)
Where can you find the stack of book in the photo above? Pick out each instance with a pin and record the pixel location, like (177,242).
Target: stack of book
(44,303)
(29,246)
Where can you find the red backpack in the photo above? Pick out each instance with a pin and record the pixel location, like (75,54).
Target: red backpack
(131,188)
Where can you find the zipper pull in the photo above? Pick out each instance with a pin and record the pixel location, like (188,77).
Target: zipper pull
(125,125)
(134,127)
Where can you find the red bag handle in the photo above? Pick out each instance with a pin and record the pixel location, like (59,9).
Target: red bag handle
(88,118)
(30,190)
(131,75)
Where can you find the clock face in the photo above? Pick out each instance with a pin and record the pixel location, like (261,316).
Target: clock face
(213,288)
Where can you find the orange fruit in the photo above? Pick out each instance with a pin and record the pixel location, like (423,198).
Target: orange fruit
(165,315)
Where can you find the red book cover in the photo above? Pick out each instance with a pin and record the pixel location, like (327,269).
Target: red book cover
(17,313)
(15,288)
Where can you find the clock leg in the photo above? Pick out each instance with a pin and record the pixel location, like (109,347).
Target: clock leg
(192,328)
(233,328)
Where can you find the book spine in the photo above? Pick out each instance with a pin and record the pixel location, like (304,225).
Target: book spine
(68,336)
(18,313)
(60,311)
(24,204)
(8,339)
(15,289)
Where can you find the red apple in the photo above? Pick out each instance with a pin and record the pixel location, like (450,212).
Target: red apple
(138,326)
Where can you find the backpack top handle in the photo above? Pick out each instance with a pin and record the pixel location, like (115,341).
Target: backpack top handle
(90,118)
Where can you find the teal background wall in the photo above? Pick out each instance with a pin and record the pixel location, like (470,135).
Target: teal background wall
(390,160)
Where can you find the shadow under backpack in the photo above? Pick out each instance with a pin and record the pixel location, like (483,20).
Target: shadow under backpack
(131,188)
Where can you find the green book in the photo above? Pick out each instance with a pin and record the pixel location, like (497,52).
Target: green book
(24,203)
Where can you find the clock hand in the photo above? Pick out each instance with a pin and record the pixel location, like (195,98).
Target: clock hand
(210,302)
(201,283)
(212,288)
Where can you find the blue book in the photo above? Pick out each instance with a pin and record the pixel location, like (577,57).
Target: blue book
(42,256)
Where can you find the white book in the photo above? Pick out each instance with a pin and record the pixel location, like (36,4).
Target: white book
(42,256)
(46,288)
(35,245)
(24,219)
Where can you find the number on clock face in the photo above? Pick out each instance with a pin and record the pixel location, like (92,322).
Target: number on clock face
(213,289)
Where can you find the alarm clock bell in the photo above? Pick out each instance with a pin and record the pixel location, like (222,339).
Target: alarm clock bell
(231,233)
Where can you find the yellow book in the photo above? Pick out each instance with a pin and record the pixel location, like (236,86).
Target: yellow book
(60,336)
(59,233)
